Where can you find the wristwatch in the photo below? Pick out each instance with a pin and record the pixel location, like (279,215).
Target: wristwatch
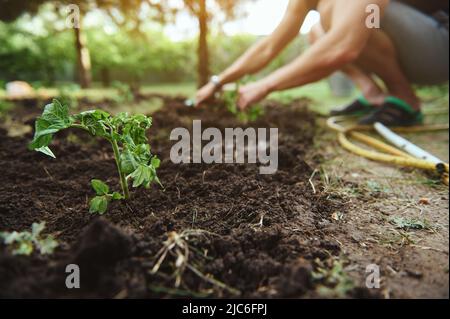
(215,80)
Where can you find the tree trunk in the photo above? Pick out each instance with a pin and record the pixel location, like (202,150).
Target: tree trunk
(83,58)
(203,54)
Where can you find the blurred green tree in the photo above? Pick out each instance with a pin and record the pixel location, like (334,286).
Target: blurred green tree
(12,9)
(35,56)
(73,11)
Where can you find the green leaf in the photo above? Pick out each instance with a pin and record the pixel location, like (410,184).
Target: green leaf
(37,228)
(158,181)
(128,162)
(133,127)
(95,121)
(156,162)
(23,248)
(99,114)
(141,176)
(116,196)
(98,204)
(47,245)
(120,118)
(46,150)
(21,242)
(9,238)
(100,187)
(142,153)
(57,113)
(41,140)
(54,118)
(48,131)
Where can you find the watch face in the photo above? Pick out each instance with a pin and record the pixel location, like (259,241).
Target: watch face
(215,80)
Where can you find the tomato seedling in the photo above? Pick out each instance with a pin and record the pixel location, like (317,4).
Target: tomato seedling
(126,134)
(23,243)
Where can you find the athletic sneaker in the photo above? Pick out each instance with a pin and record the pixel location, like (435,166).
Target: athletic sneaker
(394,112)
(357,108)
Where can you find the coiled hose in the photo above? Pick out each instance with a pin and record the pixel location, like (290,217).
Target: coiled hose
(388,154)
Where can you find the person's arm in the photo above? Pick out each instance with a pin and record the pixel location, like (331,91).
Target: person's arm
(260,54)
(342,44)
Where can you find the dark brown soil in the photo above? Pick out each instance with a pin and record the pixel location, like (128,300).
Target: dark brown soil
(262,233)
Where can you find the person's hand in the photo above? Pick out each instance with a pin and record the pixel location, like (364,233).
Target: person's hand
(205,93)
(252,93)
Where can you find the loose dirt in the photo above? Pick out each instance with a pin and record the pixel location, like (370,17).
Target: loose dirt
(263,236)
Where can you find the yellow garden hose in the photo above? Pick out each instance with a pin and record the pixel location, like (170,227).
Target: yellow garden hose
(390,155)
(378,144)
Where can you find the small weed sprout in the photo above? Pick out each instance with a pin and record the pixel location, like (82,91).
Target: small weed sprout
(410,223)
(24,243)
(334,281)
(126,134)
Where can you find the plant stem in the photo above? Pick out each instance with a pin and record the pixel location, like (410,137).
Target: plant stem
(123,180)
(81,127)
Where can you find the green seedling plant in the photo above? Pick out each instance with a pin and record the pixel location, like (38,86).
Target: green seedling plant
(25,242)
(99,204)
(127,136)
(334,281)
(251,114)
